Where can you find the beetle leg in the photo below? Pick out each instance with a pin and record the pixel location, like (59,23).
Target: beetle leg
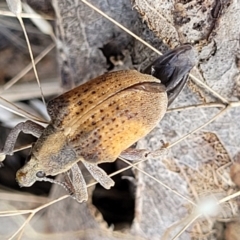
(133,154)
(79,184)
(68,182)
(99,175)
(27,127)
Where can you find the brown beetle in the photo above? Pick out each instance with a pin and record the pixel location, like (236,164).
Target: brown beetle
(95,122)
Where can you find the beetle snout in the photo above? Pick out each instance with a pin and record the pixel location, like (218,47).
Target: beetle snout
(172,69)
(26,176)
(23,179)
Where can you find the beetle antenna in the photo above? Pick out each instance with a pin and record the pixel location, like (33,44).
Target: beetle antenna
(63,184)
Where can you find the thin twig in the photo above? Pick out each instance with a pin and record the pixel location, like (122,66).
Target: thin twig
(204,105)
(4,103)
(196,80)
(22,197)
(25,70)
(31,56)
(121,26)
(199,128)
(22,226)
(194,218)
(163,184)
(34,211)
(24,15)
(234,195)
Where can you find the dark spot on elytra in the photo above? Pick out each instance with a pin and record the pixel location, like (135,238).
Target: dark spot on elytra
(80,103)
(77,113)
(93,116)
(85,90)
(93,92)
(113,119)
(123,121)
(93,123)
(113,103)
(94,141)
(117,108)
(90,102)
(103,118)
(101,110)
(74,139)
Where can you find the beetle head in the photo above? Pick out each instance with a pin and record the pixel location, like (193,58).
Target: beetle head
(30,173)
(34,171)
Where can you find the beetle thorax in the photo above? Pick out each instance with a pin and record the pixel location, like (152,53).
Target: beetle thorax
(53,153)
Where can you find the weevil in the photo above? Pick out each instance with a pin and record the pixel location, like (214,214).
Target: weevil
(95,122)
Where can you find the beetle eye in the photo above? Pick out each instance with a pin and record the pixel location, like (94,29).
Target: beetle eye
(40,174)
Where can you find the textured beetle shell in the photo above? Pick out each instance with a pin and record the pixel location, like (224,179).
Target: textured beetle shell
(106,115)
